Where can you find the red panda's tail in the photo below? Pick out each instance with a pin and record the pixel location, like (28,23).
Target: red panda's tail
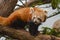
(2,19)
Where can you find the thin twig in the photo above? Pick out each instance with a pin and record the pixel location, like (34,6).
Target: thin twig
(54,14)
(20,5)
(22,2)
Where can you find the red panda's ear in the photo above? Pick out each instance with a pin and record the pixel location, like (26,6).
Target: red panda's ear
(31,10)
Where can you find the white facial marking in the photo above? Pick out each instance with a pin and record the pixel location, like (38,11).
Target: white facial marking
(35,19)
(31,10)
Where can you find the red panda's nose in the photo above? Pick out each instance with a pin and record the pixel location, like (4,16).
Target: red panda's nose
(38,21)
(35,21)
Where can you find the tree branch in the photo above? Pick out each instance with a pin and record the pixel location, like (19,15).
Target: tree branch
(23,35)
(54,14)
(19,34)
(22,2)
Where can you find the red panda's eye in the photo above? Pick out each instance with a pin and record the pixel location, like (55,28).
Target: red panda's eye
(39,19)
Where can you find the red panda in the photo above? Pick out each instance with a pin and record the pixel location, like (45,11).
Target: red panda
(31,16)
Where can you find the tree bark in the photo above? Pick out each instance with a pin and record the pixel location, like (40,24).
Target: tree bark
(7,6)
(24,35)
(14,33)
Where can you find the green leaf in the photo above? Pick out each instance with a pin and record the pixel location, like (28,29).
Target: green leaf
(54,4)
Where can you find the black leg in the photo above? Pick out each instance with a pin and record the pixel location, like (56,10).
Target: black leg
(33,29)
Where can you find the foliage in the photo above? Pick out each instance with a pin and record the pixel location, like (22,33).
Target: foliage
(54,4)
(50,31)
(38,2)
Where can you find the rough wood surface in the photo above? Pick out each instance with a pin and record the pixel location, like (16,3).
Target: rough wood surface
(7,6)
(24,35)
(19,34)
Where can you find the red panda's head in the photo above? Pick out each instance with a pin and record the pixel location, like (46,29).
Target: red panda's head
(38,15)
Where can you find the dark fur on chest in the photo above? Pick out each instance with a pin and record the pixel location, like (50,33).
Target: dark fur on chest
(33,29)
(19,24)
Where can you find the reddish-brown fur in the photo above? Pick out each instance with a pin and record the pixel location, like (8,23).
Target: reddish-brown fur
(23,14)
